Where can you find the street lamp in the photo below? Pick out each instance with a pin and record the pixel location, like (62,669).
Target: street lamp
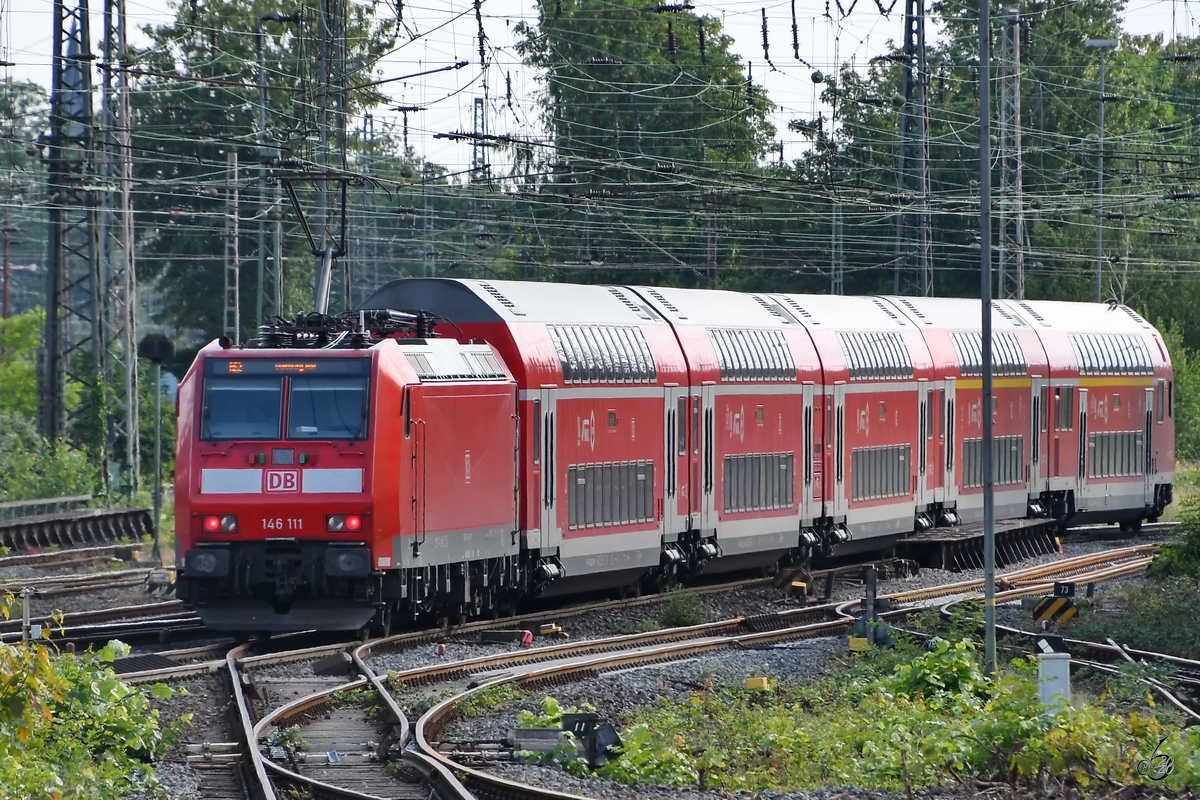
(1100,45)
(157,348)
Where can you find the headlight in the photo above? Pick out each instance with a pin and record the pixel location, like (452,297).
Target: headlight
(348,562)
(339,523)
(206,563)
(224,523)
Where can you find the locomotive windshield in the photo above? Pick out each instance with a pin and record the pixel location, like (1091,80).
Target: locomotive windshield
(323,399)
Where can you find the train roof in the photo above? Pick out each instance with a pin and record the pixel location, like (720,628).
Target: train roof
(1067,317)
(833,312)
(716,308)
(956,313)
(468,301)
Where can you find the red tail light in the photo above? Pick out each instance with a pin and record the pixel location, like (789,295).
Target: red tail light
(336,523)
(225,523)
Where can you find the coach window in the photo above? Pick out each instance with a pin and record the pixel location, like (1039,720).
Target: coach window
(1170,398)
(681,418)
(1159,398)
(537,430)
(696,425)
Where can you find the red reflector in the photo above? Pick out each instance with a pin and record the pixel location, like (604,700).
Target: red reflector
(212,524)
(353,523)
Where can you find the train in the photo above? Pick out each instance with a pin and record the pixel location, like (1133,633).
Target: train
(454,447)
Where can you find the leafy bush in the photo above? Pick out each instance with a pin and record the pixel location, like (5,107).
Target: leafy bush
(924,724)
(550,716)
(683,609)
(1162,616)
(69,728)
(1180,557)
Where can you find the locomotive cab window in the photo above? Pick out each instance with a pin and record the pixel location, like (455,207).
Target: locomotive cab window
(324,398)
(242,407)
(333,407)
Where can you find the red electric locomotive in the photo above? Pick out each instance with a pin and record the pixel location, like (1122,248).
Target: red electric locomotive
(484,441)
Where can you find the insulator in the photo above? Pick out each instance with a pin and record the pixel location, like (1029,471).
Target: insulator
(672,49)
(766,43)
(508,88)
(557,8)
(796,30)
(700,26)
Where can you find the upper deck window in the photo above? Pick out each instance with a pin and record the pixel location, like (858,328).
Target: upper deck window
(876,356)
(1007,358)
(603,354)
(1111,354)
(752,355)
(245,400)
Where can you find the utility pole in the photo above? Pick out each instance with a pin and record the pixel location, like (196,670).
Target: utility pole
(1100,45)
(1012,212)
(332,95)
(430,266)
(269,299)
(913,229)
(72,340)
(232,320)
(480,176)
(4,301)
(985,302)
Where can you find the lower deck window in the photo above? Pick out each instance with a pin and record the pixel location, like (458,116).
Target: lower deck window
(759,482)
(616,493)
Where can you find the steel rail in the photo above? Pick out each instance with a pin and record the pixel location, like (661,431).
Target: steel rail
(431,723)
(239,695)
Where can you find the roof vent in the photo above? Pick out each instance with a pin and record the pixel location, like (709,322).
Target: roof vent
(774,309)
(501,299)
(1136,317)
(883,307)
(909,305)
(1002,311)
(1029,310)
(800,310)
(632,306)
(667,304)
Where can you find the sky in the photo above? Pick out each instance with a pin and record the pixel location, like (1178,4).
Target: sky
(446,34)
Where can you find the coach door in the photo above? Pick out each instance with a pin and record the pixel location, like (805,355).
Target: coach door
(1148,464)
(707,479)
(810,458)
(1082,466)
(546,432)
(949,429)
(924,437)
(675,485)
(839,504)
(1039,398)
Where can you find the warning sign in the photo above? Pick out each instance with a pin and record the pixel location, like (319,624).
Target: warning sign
(1054,609)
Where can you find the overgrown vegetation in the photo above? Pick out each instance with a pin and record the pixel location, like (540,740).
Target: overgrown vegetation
(483,700)
(1162,616)
(69,728)
(684,609)
(898,720)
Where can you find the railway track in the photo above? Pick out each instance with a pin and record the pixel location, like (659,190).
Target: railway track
(356,729)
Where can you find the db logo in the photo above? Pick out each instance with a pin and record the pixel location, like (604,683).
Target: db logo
(283,480)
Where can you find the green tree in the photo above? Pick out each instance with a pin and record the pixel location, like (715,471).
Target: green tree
(197,100)
(20,338)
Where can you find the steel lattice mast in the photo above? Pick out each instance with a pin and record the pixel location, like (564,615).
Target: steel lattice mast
(913,230)
(118,269)
(1011,205)
(72,341)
